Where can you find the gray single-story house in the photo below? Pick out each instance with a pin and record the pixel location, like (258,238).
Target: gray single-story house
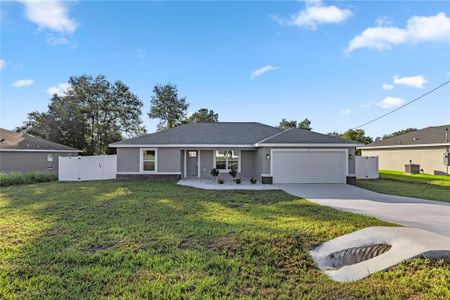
(24,153)
(428,148)
(257,150)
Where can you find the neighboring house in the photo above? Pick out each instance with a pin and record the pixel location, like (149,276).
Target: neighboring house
(427,147)
(22,153)
(267,153)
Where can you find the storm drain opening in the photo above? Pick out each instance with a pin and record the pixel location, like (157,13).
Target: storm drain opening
(351,256)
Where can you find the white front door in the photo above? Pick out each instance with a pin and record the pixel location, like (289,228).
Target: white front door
(309,166)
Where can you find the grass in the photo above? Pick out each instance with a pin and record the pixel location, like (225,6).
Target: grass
(7,179)
(131,239)
(425,186)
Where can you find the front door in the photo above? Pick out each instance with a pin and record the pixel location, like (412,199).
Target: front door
(192,163)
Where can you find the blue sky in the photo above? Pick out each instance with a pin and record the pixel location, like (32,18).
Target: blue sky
(248,61)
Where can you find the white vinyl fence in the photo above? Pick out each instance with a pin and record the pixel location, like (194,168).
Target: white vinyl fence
(79,168)
(366,167)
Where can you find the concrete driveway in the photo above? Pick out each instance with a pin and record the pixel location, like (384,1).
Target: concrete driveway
(429,215)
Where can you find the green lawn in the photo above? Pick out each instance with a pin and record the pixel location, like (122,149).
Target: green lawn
(424,186)
(159,240)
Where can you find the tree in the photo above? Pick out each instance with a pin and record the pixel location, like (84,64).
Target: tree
(92,114)
(305,124)
(166,105)
(287,124)
(399,132)
(203,115)
(357,135)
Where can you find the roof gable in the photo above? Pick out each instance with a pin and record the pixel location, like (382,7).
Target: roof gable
(304,136)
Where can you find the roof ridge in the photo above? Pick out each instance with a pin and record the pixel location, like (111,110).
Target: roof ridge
(274,135)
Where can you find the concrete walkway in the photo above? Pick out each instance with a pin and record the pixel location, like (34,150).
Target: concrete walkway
(429,215)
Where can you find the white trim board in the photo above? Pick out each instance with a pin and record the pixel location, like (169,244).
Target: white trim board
(39,150)
(402,146)
(153,173)
(184,146)
(308,145)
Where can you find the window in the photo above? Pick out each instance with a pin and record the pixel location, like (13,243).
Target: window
(192,153)
(227,160)
(50,160)
(149,160)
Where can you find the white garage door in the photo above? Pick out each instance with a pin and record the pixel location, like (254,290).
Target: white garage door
(299,166)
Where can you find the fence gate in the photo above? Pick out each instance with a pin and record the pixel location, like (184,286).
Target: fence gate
(81,168)
(366,167)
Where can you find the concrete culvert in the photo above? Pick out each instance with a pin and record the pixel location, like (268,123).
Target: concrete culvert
(356,255)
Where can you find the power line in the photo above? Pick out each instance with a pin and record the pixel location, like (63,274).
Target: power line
(400,107)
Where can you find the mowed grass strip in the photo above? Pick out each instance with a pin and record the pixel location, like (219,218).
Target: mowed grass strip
(158,240)
(425,186)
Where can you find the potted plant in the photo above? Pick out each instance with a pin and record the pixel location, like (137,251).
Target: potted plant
(220,181)
(238,180)
(233,173)
(214,173)
(253,180)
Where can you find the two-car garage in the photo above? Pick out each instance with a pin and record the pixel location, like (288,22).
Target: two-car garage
(309,165)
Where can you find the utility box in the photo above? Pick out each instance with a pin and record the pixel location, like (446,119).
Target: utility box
(412,168)
(446,159)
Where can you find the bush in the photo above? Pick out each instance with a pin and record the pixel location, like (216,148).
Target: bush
(238,180)
(253,180)
(233,173)
(220,181)
(7,179)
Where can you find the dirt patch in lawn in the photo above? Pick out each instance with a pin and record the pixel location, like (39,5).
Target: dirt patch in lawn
(228,243)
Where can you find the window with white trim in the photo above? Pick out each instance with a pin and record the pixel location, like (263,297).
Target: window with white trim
(50,161)
(227,160)
(149,160)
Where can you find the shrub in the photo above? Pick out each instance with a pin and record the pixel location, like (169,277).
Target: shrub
(253,180)
(220,181)
(214,172)
(238,180)
(7,179)
(233,173)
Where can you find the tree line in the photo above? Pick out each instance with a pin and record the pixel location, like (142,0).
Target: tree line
(94,113)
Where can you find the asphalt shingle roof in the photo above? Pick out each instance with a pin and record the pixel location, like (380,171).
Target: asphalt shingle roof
(303,136)
(230,133)
(11,140)
(429,135)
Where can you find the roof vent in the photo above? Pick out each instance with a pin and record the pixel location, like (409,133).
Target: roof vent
(415,139)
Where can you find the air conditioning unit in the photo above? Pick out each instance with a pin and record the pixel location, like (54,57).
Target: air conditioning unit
(412,168)
(447,159)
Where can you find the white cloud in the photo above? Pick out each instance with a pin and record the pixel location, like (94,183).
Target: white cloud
(413,81)
(384,21)
(51,14)
(22,83)
(390,102)
(418,29)
(365,105)
(346,111)
(387,86)
(315,14)
(57,41)
(2,64)
(59,89)
(262,70)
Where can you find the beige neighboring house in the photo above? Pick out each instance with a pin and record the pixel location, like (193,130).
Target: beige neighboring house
(22,153)
(428,147)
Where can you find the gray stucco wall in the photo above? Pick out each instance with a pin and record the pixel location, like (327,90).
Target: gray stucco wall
(169,160)
(29,161)
(128,160)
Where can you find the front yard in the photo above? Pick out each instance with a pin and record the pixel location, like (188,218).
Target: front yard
(425,186)
(159,240)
